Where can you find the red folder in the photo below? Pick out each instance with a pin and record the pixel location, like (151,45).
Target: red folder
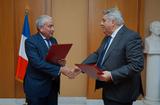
(91,70)
(57,52)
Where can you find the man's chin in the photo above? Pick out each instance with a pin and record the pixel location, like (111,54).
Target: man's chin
(105,32)
(51,35)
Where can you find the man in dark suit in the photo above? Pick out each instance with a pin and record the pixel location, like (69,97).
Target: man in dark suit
(120,56)
(42,79)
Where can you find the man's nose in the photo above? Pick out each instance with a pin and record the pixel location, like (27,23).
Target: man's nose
(101,24)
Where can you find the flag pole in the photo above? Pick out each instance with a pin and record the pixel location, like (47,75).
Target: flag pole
(26,13)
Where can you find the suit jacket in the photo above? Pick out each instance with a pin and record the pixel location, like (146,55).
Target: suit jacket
(124,59)
(38,80)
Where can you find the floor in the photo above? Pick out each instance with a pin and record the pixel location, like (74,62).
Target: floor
(63,101)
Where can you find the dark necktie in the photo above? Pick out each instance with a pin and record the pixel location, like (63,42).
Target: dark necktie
(48,43)
(101,56)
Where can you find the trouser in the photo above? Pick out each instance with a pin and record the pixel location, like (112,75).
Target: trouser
(52,99)
(110,102)
(107,101)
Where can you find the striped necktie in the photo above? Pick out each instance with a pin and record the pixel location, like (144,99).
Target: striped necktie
(101,56)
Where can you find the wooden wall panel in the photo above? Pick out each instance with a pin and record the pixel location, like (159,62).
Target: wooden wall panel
(95,36)
(7,83)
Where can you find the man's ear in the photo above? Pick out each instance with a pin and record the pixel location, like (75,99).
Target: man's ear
(113,22)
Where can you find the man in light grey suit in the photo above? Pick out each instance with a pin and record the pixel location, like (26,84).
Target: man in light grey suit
(120,56)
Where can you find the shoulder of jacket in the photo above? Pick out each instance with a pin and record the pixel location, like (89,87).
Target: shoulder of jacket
(53,39)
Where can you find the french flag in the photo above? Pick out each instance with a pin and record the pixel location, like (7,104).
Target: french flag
(22,58)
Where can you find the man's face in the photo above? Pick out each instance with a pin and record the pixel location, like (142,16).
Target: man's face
(107,25)
(48,29)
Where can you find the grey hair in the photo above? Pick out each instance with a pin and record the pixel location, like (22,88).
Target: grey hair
(41,20)
(114,14)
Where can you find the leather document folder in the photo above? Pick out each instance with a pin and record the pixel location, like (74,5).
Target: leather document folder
(90,69)
(57,52)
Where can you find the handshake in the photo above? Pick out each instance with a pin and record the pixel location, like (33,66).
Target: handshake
(93,71)
(71,73)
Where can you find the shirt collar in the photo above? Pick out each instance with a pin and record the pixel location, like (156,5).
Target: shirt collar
(116,31)
(43,36)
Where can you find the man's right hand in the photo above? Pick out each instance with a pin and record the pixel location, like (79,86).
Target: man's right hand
(66,71)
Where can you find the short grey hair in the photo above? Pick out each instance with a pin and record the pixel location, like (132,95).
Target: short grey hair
(114,14)
(41,20)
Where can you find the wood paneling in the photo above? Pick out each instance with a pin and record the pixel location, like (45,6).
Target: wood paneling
(132,11)
(95,36)
(11,23)
(7,83)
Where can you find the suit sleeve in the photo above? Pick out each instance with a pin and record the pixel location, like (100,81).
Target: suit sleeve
(37,62)
(135,60)
(93,57)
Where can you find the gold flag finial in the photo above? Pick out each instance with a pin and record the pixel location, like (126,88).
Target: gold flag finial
(116,7)
(26,11)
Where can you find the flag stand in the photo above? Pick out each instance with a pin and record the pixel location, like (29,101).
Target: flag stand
(22,58)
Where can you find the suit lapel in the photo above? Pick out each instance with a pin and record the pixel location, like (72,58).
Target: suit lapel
(115,42)
(42,43)
(53,40)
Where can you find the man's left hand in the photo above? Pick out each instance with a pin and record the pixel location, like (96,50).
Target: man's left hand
(105,76)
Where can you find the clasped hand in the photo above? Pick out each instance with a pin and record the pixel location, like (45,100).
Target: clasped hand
(71,73)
